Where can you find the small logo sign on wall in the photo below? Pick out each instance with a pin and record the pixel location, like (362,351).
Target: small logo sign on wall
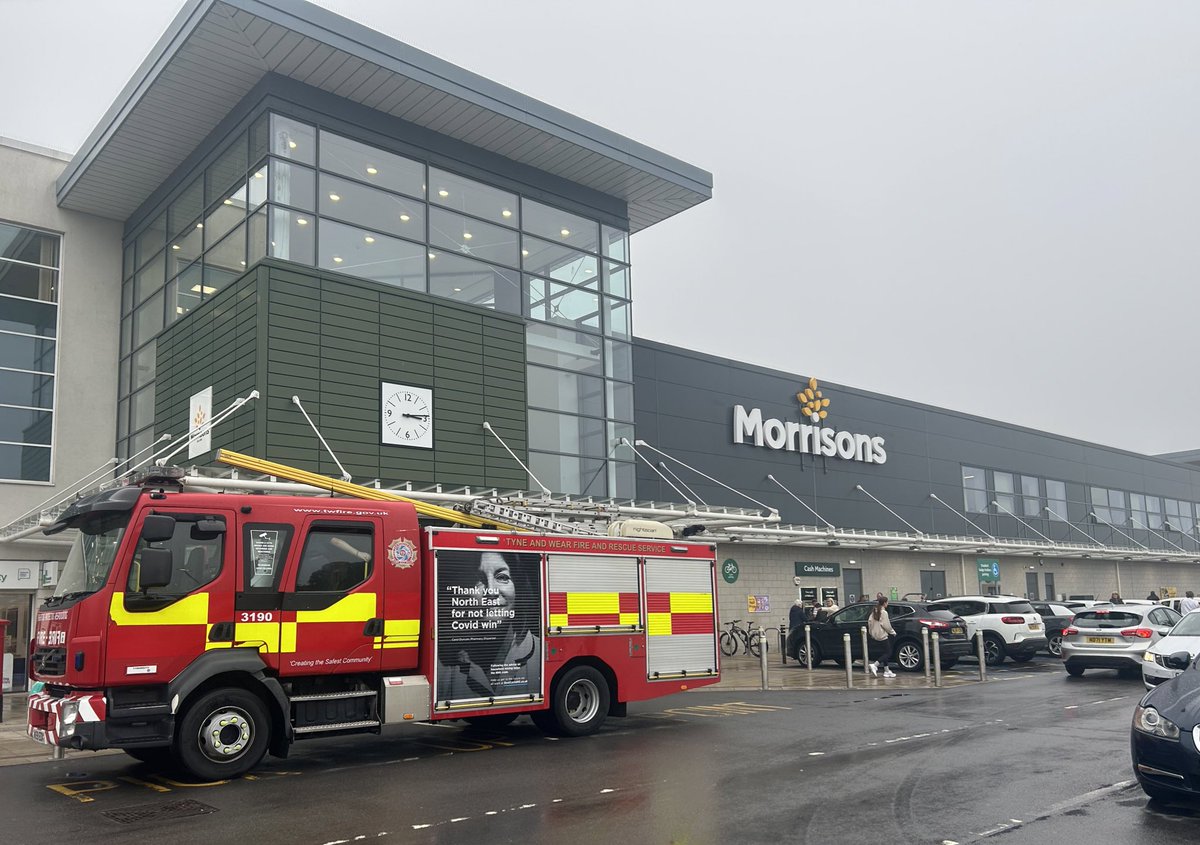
(989,569)
(200,423)
(819,569)
(758,604)
(730,571)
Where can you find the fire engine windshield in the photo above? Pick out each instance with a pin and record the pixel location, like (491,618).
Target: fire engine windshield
(91,557)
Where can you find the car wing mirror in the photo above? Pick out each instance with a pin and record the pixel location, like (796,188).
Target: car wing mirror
(1178,660)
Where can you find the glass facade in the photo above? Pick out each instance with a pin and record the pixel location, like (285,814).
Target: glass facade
(294,191)
(29,268)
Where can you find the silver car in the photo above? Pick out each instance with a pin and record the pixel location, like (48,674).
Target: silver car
(1114,637)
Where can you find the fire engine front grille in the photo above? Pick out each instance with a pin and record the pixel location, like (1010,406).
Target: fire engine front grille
(50,661)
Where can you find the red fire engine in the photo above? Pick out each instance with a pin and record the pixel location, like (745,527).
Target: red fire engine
(203,629)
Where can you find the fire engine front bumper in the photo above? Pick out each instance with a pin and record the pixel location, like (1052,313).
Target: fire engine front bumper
(72,721)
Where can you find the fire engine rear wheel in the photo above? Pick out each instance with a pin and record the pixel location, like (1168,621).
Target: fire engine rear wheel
(580,701)
(223,734)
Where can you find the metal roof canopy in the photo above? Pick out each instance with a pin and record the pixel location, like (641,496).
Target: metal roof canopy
(215,51)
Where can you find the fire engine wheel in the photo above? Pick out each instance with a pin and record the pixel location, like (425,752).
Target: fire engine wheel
(223,734)
(580,701)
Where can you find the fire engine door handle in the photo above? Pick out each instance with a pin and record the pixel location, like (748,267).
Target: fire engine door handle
(221,632)
(373,628)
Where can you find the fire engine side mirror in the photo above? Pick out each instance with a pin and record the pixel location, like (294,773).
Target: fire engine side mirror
(155,568)
(158,528)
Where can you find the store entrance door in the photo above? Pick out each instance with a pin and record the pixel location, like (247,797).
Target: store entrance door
(933,584)
(15,609)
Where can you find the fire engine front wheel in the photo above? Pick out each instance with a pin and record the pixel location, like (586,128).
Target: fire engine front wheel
(223,734)
(580,701)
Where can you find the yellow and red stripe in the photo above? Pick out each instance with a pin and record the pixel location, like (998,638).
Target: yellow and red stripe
(679,613)
(591,609)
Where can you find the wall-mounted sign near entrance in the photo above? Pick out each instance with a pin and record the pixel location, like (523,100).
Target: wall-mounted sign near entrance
(729,570)
(989,568)
(829,593)
(750,428)
(808,595)
(826,569)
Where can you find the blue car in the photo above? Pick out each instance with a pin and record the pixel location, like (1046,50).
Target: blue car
(1165,736)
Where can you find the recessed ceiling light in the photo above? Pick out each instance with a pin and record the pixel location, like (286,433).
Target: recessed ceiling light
(458,290)
(372,170)
(432,256)
(291,145)
(199,225)
(174,246)
(404,218)
(369,239)
(466,236)
(178,309)
(524,252)
(229,202)
(589,271)
(337,259)
(334,197)
(259,175)
(206,289)
(566,233)
(301,221)
(443,193)
(243,263)
(506,213)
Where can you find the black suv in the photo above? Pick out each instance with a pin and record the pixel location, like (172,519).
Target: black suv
(907,618)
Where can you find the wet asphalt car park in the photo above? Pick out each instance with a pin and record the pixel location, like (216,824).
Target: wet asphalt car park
(1030,756)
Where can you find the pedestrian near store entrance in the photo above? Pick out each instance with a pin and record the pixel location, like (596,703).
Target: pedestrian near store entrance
(1189,603)
(879,638)
(1115,598)
(796,614)
(1153,596)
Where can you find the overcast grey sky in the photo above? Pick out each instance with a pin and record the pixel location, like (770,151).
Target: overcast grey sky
(987,206)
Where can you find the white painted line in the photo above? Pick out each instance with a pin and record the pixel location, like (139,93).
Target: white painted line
(816,754)
(603,791)
(459,819)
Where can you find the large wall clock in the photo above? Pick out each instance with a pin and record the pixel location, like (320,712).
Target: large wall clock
(406,415)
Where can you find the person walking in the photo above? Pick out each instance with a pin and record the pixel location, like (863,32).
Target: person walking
(1153,597)
(1189,603)
(1115,598)
(879,638)
(796,614)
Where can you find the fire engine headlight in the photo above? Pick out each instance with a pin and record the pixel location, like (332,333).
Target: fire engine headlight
(70,712)
(1150,721)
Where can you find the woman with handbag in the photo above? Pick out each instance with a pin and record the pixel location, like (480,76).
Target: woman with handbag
(879,638)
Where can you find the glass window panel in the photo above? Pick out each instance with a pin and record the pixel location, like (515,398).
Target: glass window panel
(28,281)
(560,226)
(293,236)
(186,208)
(122,419)
(617,430)
(28,389)
(23,315)
(150,278)
(563,348)
(152,238)
(1056,499)
(556,390)
(25,463)
(372,165)
(472,197)
(143,366)
(142,408)
(256,191)
(372,208)
(620,400)
(616,279)
(127,267)
(140,446)
(186,292)
(472,237)
(1030,495)
(148,320)
(558,262)
(570,475)
(185,248)
(618,360)
(126,297)
(624,480)
(293,140)
(372,256)
(28,245)
(126,334)
(617,324)
(228,171)
(555,303)
(293,185)
(260,137)
(1154,512)
(567,433)
(21,425)
(217,278)
(222,217)
(256,238)
(615,243)
(229,254)
(974,490)
(26,353)
(474,282)
(123,378)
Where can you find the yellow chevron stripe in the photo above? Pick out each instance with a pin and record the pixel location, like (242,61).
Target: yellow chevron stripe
(264,633)
(691,603)
(658,624)
(629,618)
(356,607)
(593,602)
(189,610)
(287,638)
(558,620)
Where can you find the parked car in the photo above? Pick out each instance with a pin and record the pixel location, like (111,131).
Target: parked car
(1164,763)
(907,618)
(1114,637)
(1010,625)
(1173,604)
(1055,617)
(1185,636)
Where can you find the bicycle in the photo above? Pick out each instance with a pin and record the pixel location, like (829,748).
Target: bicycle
(749,639)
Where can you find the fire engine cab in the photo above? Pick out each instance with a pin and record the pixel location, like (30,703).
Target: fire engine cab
(201,630)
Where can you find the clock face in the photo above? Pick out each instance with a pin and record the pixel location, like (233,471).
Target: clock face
(406,415)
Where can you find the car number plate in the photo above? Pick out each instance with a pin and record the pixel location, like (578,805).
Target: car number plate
(956,630)
(1101,640)
(39,735)
(1035,626)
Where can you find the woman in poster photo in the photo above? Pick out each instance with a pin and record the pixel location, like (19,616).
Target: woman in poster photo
(489,613)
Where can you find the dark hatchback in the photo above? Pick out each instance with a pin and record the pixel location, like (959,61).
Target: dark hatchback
(907,618)
(1166,733)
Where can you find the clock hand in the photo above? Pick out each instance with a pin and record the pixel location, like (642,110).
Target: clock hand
(416,416)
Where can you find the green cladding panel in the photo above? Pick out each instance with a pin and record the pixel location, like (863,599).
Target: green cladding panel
(331,340)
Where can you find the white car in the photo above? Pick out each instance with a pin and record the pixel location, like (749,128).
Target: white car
(1185,636)
(1010,625)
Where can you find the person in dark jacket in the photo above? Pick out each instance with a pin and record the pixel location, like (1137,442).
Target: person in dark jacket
(796,614)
